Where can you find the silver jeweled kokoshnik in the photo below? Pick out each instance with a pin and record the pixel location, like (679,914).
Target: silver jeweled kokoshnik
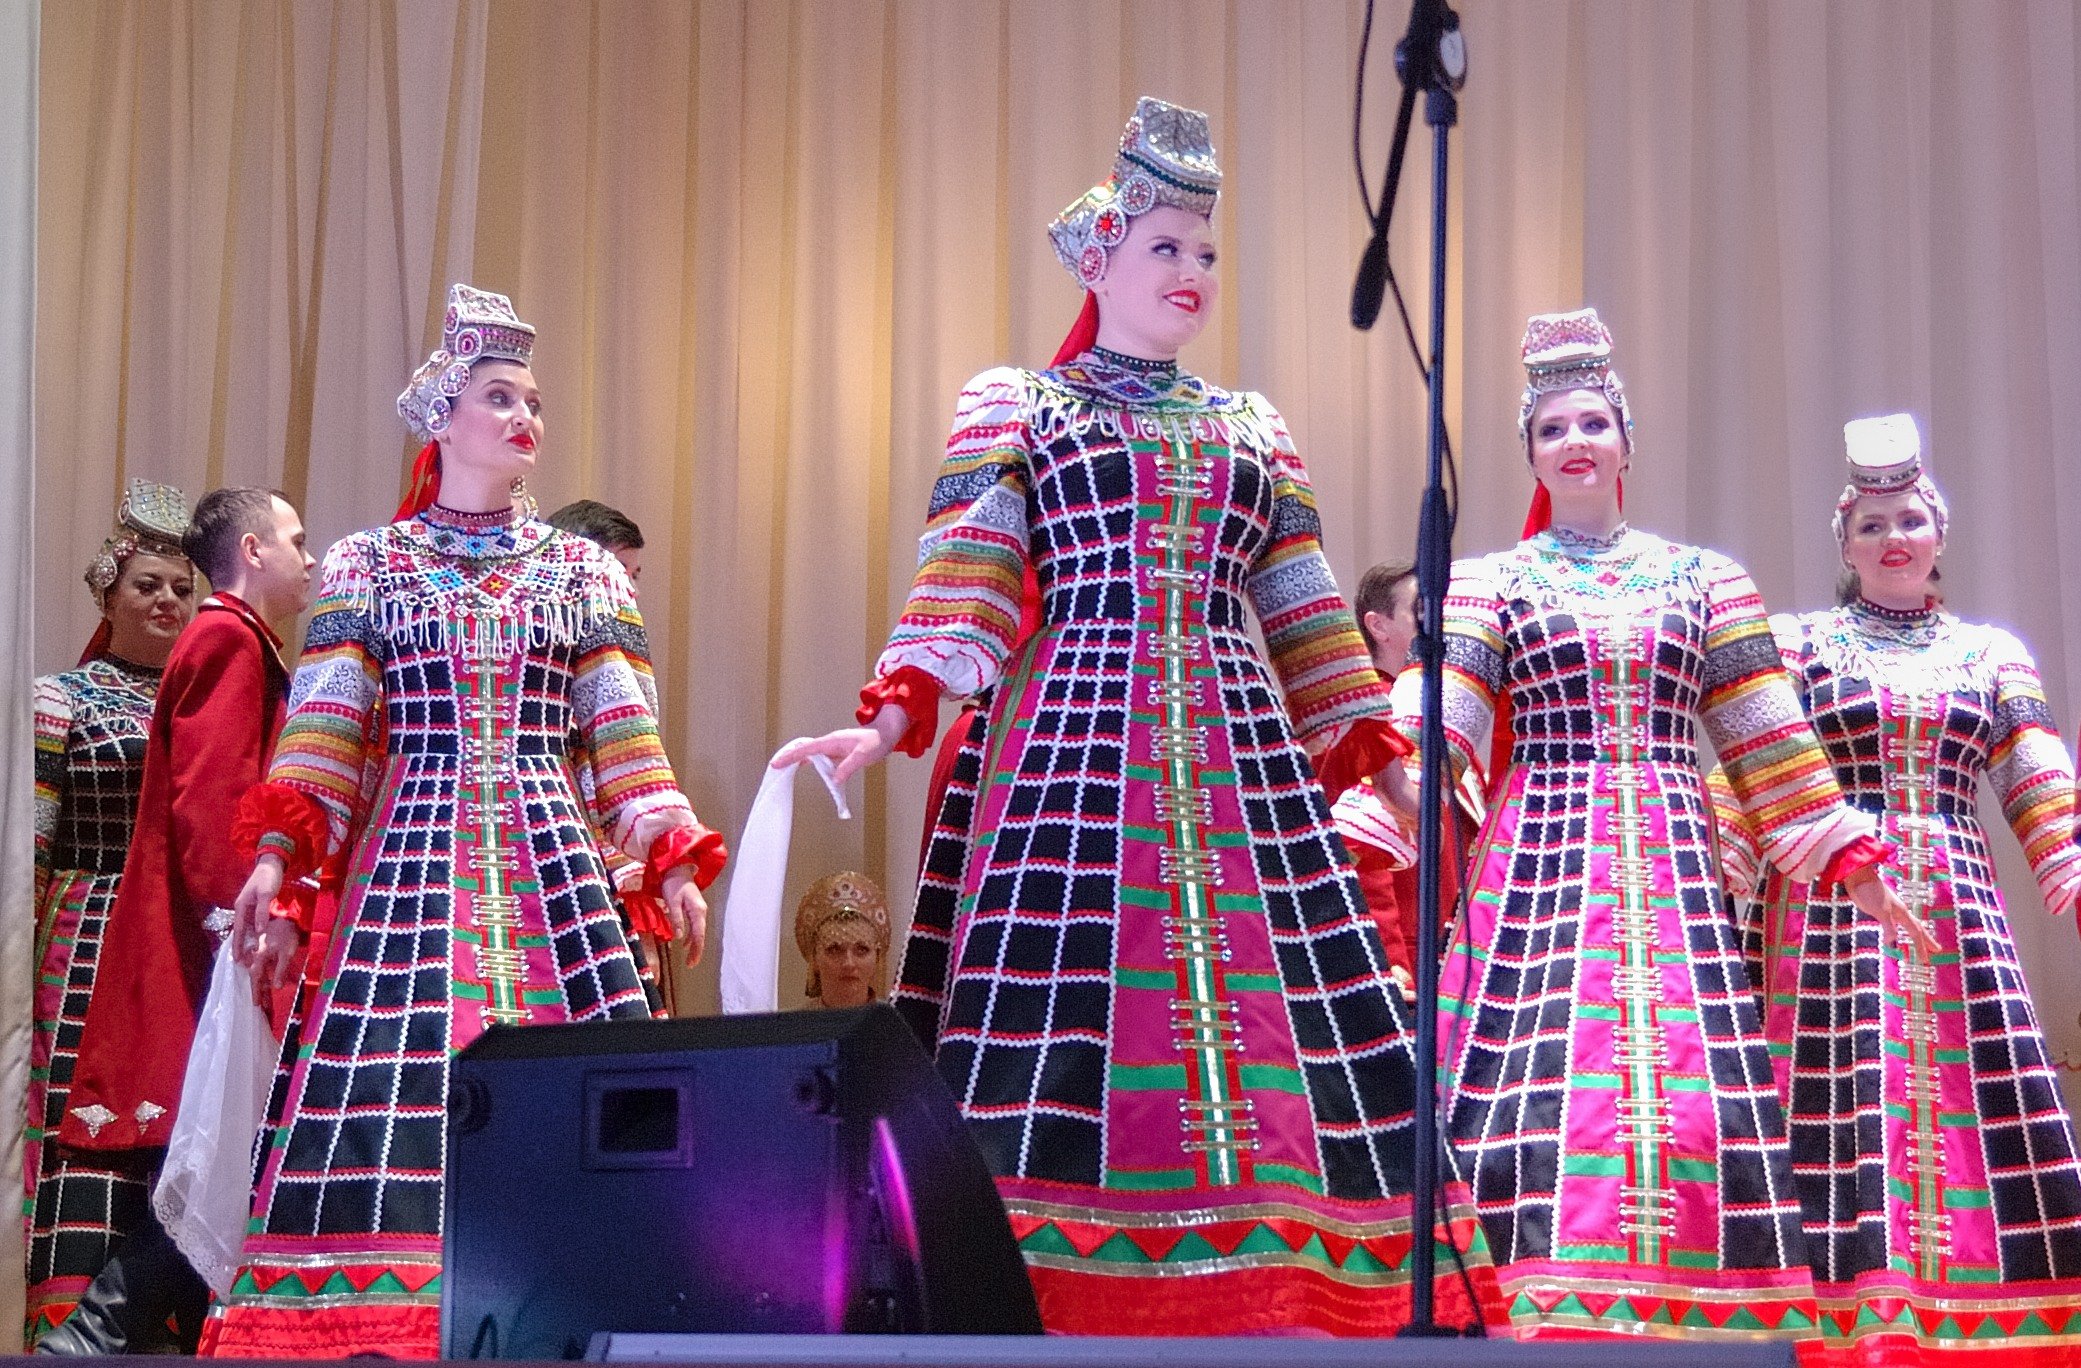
(1885,456)
(478,325)
(1166,157)
(1568,351)
(153,518)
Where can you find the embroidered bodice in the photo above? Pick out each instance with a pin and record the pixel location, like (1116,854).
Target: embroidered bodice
(1615,651)
(487,639)
(1914,708)
(1139,495)
(91,725)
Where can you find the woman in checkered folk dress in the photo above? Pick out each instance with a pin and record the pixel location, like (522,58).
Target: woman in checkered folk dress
(1610,1092)
(1139,951)
(450,655)
(1932,1151)
(91,724)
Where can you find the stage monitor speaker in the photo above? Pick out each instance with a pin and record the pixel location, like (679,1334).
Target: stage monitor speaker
(798,1173)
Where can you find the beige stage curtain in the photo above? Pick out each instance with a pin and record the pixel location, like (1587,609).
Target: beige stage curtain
(766,241)
(18,479)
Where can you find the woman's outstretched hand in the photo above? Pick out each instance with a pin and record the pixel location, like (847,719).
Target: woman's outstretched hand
(1884,906)
(252,910)
(851,749)
(274,961)
(686,907)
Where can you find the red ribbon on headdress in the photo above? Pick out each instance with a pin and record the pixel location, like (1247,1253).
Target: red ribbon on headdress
(97,644)
(1540,515)
(424,487)
(1082,334)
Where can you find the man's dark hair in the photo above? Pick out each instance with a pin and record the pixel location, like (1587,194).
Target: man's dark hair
(223,516)
(596,522)
(1376,594)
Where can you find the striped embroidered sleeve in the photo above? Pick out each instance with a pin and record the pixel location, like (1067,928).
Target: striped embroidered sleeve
(1473,675)
(53,729)
(1361,818)
(2032,774)
(1734,833)
(338,682)
(621,870)
(962,616)
(1773,760)
(1310,634)
(1734,837)
(614,705)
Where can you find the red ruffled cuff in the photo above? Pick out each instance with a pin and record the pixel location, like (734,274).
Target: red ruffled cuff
(285,820)
(912,690)
(1364,751)
(695,845)
(646,915)
(1862,853)
(298,903)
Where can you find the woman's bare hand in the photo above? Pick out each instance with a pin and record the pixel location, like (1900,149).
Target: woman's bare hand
(274,959)
(253,909)
(852,749)
(687,909)
(1884,906)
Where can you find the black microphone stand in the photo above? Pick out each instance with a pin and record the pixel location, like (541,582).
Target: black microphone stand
(1432,59)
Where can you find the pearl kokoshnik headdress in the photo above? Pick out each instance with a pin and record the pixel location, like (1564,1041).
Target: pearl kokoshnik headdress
(479,325)
(1166,157)
(152,518)
(1885,456)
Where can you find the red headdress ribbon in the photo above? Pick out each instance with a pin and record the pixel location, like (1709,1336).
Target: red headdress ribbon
(424,488)
(1540,515)
(97,644)
(1082,334)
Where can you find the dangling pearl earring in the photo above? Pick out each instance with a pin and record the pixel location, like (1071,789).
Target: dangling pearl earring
(528,507)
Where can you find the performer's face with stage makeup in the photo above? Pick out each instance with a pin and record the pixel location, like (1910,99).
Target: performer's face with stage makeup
(848,962)
(1578,446)
(497,425)
(1159,287)
(1891,542)
(148,605)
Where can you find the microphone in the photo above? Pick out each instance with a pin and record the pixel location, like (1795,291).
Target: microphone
(1432,57)
(1370,288)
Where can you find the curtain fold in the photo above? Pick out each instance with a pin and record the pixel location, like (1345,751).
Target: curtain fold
(765,241)
(19,479)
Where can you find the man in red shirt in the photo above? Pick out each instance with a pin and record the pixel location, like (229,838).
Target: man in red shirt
(1382,841)
(220,705)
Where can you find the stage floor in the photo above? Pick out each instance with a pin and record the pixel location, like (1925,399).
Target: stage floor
(965,1351)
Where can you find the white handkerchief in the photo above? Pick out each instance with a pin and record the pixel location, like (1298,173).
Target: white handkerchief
(205,1191)
(750,966)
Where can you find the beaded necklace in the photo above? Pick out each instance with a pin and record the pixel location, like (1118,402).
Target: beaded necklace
(493,535)
(1143,364)
(1867,608)
(1561,568)
(1570,542)
(1921,650)
(1130,381)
